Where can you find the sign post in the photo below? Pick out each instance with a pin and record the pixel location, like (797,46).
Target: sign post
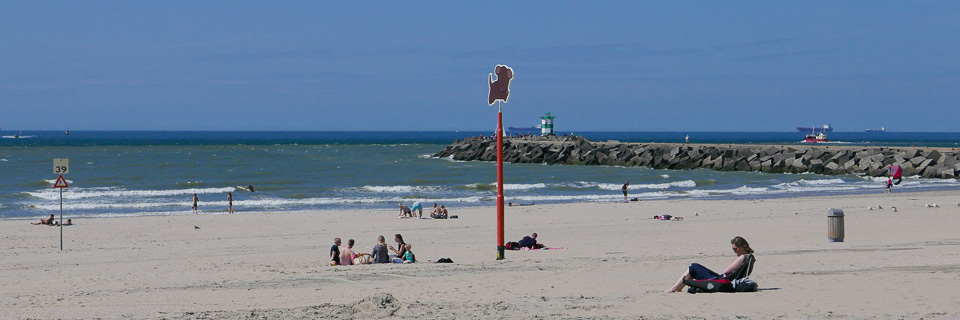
(500,92)
(61,167)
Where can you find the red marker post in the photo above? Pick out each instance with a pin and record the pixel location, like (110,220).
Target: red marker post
(61,167)
(500,91)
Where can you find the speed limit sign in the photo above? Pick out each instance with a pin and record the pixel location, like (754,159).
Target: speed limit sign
(61,166)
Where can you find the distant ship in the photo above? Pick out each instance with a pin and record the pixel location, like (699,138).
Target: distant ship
(826,128)
(535,129)
(882,129)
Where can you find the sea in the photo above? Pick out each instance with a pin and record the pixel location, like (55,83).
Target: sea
(142,173)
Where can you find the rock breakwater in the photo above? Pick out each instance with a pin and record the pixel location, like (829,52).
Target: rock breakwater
(821,159)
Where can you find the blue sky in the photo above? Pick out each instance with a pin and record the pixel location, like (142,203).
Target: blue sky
(422,66)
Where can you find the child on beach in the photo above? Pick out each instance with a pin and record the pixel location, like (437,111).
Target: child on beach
(889,185)
(408,257)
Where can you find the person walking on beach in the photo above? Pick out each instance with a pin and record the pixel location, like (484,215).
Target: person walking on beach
(196,201)
(230,202)
(624,189)
(335,252)
(889,185)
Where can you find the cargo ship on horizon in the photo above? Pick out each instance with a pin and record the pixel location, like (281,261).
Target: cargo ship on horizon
(825,128)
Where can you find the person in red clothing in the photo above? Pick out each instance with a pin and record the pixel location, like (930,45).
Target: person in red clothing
(897,173)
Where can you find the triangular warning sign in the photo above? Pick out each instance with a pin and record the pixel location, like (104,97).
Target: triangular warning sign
(61,183)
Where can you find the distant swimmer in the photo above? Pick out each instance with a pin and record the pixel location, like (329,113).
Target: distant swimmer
(249,188)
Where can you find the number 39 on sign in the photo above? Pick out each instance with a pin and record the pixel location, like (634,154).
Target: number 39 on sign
(61,166)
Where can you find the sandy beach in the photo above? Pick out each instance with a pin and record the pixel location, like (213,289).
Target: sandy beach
(615,263)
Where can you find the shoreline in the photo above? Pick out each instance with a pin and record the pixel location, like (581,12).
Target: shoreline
(615,263)
(787,195)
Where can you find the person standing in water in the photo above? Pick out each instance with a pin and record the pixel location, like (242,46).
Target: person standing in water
(230,202)
(624,189)
(196,201)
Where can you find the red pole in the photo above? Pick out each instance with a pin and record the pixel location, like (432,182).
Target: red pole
(500,246)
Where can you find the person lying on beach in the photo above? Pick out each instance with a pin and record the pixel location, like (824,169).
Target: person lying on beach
(405,212)
(529,242)
(408,256)
(379,253)
(732,272)
(69,223)
(398,258)
(511,204)
(48,221)
(667,217)
(346,255)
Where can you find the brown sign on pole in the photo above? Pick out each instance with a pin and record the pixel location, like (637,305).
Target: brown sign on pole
(500,89)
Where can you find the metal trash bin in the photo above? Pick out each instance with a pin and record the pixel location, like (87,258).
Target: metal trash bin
(835,225)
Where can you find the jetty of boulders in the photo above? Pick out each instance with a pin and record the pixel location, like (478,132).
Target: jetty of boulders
(822,159)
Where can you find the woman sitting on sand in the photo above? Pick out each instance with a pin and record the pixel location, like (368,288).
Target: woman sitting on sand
(732,272)
(403,248)
(379,254)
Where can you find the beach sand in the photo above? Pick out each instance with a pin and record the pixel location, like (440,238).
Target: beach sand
(616,263)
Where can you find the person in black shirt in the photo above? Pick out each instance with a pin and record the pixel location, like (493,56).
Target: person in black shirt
(335,252)
(529,242)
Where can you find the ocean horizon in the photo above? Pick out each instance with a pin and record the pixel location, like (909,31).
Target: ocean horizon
(136,173)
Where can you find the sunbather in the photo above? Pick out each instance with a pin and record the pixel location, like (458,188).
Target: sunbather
(48,221)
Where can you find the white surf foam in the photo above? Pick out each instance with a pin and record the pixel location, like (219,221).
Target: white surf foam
(399,189)
(84,193)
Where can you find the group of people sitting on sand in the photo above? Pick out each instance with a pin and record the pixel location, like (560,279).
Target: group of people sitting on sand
(52,222)
(345,256)
(437,213)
